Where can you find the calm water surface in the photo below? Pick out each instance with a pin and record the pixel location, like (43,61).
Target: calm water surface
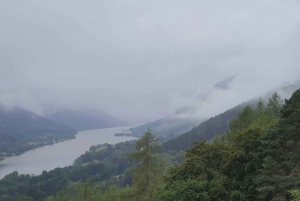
(61,154)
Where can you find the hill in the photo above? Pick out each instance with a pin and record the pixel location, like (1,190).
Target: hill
(87,120)
(183,119)
(256,159)
(22,130)
(166,128)
(208,129)
(259,149)
(219,124)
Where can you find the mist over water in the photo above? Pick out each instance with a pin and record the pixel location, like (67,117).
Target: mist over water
(61,154)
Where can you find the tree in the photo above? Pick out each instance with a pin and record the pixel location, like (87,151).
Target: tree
(260,106)
(274,104)
(185,191)
(245,118)
(295,194)
(281,146)
(147,178)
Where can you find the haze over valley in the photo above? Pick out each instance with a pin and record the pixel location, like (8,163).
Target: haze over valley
(170,100)
(142,61)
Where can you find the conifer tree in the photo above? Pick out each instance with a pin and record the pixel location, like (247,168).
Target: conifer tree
(147,178)
(275,104)
(260,106)
(281,165)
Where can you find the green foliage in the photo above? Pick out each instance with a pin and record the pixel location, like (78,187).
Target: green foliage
(257,159)
(147,179)
(87,192)
(147,176)
(274,104)
(104,167)
(245,118)
(295,194)
(281,147)
(184,191)
(260,106)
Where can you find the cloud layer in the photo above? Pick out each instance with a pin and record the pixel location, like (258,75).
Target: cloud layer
(140,60)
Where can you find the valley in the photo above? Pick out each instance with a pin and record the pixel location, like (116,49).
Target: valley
(62,154)
(149,100)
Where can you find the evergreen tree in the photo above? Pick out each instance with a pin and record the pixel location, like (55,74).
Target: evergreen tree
(147,178)
(245,118)
(274,104)
(260,106)
(281,146)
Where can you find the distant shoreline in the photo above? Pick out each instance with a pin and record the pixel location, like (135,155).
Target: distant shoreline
(124,135)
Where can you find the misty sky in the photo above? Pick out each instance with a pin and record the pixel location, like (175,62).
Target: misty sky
(140,60)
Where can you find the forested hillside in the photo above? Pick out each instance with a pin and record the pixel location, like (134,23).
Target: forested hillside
(206,93)
(21,130)
(256,159)
(208,129)
(102,167)
(182,120)
(95,166)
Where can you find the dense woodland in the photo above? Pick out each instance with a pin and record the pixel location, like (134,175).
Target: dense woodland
(257,158)
(97,165)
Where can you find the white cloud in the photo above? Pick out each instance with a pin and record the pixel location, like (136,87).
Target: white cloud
(130,57)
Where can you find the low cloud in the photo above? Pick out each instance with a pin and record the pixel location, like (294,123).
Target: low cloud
(141,60)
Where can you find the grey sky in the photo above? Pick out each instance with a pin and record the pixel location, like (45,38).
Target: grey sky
(141,60)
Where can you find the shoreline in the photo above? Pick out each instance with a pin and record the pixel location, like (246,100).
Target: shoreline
(59,154)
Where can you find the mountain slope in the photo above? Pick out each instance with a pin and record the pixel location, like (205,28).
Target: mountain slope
(257,159)
(166,128)
(183,119)
(85,120)
(170,126)
(22,130)
(208,129)
(219,124)
(222,85)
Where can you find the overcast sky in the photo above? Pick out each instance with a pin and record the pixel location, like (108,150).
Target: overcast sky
(140,60)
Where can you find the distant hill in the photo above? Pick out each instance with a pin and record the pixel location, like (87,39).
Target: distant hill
(219,124)
(166,128)
(171,126)
(87,120)
(208,129)
(182,120)
(22,130)
(222,85)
